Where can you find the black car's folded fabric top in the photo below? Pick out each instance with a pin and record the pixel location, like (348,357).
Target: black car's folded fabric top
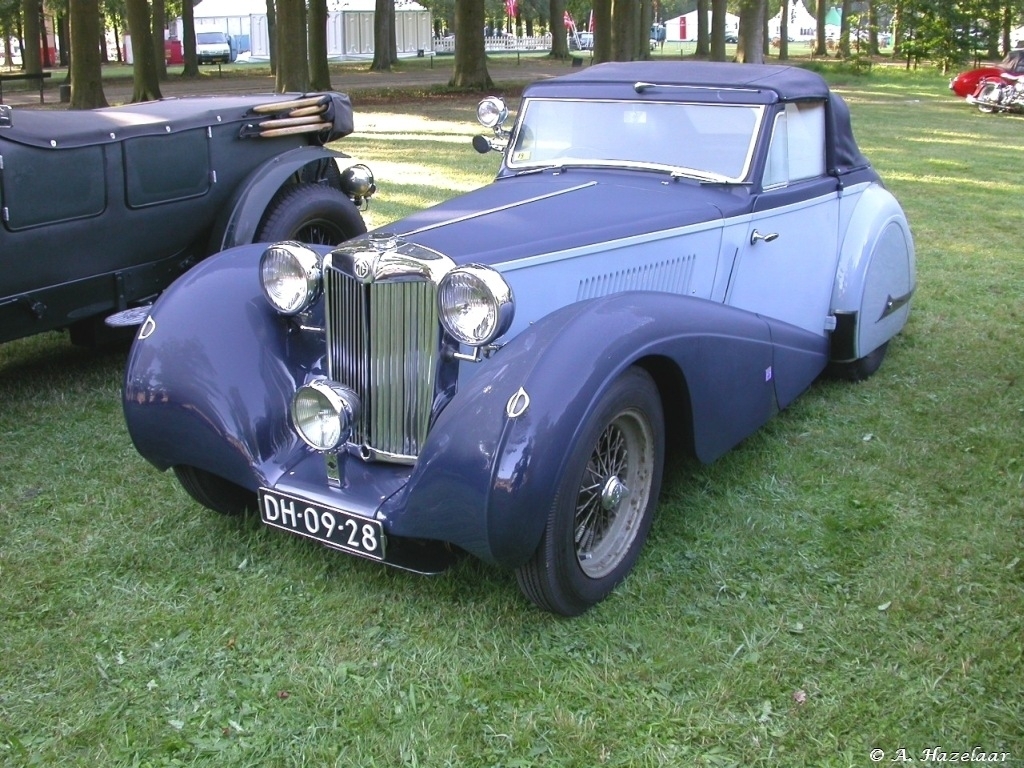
(57,130)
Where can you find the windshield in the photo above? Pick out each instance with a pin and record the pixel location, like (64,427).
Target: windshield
(703,140)
(211,38)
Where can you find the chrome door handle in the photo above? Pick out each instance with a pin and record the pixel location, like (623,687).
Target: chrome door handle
(755,236)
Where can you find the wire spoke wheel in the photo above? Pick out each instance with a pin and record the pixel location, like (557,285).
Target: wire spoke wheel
(614,493)
(605,500)
(320,232)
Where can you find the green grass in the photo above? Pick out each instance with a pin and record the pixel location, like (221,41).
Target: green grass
(849,578)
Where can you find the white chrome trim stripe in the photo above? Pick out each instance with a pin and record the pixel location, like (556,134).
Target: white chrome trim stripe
(506,207)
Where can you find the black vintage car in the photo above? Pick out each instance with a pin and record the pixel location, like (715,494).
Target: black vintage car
(101,210)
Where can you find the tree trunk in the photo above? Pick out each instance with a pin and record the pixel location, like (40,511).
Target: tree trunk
(625,20)
(159,22)
(85,70)
(844,32)
(718,9)
(146,85)
(381,37)
(470,56)
(602,31)
(292,70)
(559,40)
(272,35)
(819,37)
(644,29)
(873,49)
(319,72)
(750,49)
(188,41)
(703,36)
(63,52)
(31,53)
(393,36)
(784,31)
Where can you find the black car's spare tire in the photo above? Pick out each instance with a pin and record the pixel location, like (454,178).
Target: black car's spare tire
(310,213)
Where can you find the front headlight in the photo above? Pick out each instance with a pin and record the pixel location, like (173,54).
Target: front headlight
(475,304)
(290,276)
(491,112)
(323,413)
(357,182)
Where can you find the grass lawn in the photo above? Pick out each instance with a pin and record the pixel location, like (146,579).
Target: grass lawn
(850,578)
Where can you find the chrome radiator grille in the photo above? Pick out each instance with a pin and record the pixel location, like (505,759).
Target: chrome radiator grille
(383,342)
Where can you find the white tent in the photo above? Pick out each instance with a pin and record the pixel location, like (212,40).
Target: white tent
(349,26)
(684,28)
(802,25)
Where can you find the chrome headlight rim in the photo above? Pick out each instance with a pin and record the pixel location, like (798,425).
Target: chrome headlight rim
(475,304)
(491,112)
(324,413)
(291,276)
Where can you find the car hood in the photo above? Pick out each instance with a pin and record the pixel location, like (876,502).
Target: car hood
(520,217)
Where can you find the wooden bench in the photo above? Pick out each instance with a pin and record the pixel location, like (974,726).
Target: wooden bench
(40,76)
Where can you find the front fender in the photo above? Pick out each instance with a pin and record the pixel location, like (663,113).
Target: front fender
(211,374)
(240,216)
(487,475)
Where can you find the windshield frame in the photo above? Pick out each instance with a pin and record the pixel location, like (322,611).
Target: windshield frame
(519,165)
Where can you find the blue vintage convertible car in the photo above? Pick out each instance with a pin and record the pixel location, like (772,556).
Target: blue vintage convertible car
(670,253)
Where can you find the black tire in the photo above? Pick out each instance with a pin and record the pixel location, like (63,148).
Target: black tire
(861,368)
(594,533)
(310,213)
(215,492)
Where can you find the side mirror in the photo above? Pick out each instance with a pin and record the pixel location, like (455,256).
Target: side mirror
(482,144)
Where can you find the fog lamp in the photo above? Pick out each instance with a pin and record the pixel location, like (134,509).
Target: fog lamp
(324,413)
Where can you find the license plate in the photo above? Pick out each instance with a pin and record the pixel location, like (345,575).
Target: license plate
(333,527)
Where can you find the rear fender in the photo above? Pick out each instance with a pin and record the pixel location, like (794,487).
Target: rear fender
(875,277)
(241,215)
(211,374)
(488,472)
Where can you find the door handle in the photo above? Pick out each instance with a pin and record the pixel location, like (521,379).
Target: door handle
(755,236)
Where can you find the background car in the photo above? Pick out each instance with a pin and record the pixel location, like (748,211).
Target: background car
(671,253)
(966,83)
(214,48)
(103,209)
(581,41)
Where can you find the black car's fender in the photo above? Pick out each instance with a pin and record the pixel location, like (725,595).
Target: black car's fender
(487,474)
(240,217)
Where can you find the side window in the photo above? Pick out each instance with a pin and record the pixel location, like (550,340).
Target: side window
(797,150)
(47,186)
(162,169)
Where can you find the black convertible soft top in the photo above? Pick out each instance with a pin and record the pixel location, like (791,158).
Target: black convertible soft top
(776,82)
(717,81)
